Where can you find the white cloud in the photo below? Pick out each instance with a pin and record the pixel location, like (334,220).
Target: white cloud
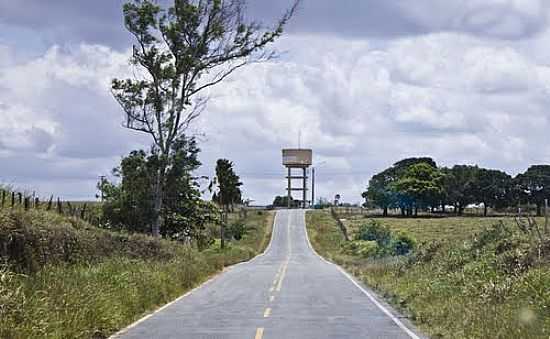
(503,19)
(361,105)
(57,117)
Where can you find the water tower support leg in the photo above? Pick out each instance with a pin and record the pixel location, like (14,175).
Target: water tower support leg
(304,198)
(289,188)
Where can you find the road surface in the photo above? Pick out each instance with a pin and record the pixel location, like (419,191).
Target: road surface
(288,292)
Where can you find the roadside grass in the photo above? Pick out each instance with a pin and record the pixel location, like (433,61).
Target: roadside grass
(255,240)
(481,282)
(95,295)
(428,229)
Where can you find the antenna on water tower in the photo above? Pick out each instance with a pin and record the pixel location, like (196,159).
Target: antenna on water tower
(299,139)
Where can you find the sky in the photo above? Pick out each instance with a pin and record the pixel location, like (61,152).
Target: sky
(365,83)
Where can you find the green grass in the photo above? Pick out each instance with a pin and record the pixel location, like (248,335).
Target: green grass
(428,229)
(95,297)
(491,285)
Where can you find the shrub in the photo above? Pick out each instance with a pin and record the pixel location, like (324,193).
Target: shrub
(491,235)
(403,244)
(368,249)
(236,230)
(386,242)
(374,231)
(361,248)
(427,252)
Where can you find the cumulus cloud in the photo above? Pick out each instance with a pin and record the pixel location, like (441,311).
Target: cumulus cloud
(100,22)
(449,81)
(501,19)
(57,116)
(363,108)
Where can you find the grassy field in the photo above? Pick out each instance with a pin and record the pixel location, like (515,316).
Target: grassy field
(428,229)
(71,280)
(467,278)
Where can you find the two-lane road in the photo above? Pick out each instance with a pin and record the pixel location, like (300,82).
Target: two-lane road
(288,292)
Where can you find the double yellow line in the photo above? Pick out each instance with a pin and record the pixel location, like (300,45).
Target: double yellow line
(277,283)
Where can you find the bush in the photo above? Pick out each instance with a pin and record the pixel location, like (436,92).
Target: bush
(386,242)
(374,231)
(361,248)
(403,244)
(236,230)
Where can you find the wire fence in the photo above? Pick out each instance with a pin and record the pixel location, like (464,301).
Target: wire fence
(87,211)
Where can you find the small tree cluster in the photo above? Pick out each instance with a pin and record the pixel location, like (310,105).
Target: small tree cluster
(128,203)
(282,201)
(417,183)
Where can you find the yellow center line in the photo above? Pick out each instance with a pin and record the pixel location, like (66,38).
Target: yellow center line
(267,312)
(259,333)
(279,285)
(277,277)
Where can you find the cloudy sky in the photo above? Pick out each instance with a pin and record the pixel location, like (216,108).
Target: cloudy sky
(365,83)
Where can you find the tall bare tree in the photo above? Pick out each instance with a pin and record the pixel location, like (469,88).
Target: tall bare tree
(180,51)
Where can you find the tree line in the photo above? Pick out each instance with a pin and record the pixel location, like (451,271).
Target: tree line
(415,184)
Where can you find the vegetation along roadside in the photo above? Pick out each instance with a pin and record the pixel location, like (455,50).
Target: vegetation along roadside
(491,284)
(64,278)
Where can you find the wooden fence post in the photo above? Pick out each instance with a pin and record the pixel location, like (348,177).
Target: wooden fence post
(83,211)
(26,203)
(59,206)
(3,198)
(12,199)
(546,216)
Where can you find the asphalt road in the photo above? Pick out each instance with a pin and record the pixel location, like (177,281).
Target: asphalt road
(288,292)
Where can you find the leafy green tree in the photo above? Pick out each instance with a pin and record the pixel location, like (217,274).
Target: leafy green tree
(535,184)
(181,50)
(229,185)
(282,201)
(128,205)
(422,183)
(229,190)
(459,184)
(493,188)
(402,166)
(381,190)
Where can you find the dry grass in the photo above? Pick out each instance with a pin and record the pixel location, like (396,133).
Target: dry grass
(493,285)
(428,229)
(94,297)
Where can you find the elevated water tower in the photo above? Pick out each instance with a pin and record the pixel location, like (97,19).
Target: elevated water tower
(297,158)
